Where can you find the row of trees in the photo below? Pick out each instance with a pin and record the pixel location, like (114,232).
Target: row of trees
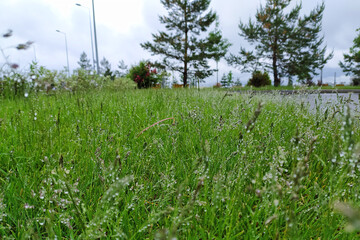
(284,43)
(144,74)
(105,67)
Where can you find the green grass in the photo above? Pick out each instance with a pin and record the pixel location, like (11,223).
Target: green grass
(231,166)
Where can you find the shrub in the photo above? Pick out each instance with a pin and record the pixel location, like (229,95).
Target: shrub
(81,80)
(120,83)
(217,85)
(144,75)
(13,84)
(355,81)
(157,86)
(43,79)
(259,79)
(176,85)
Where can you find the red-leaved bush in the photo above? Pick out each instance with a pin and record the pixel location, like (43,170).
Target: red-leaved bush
(144,75)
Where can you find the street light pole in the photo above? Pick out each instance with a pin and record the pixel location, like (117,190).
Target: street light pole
(67,54)
(91,35)
(34,52)
(95,37)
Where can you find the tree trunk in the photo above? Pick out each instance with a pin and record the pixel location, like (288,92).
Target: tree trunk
(185,75)
(217,72)
(276,76)
(275,70)
(185,51)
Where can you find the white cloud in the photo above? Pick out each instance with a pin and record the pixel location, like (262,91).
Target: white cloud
(121,16)
(338,56)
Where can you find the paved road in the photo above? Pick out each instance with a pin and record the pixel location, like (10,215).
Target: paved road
(288,92)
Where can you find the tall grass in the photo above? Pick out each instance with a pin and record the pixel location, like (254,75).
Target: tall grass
(231,166)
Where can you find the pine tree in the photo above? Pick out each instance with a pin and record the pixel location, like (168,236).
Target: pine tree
(305,54)
(105,69)
(181,46)
(230,80)
(238,83)
(220,47)
(104,65)
(84,62)
(285,43)
(224,81)
(351,64)
(122,69)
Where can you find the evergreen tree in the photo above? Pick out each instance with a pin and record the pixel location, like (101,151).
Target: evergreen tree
(351,64)
(181,46)
(238,83)
(84,62)
(105,69)
(224,81)
(284,42)
(305,54)
(227,80)
(104,66)
(122,69)
(220,47)
(109,73)
(230,79)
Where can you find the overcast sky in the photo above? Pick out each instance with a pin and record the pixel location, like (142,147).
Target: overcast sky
(123,24)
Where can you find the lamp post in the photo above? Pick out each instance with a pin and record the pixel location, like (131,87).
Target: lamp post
(34,52)
(67,54)
(91,35)
(95,37)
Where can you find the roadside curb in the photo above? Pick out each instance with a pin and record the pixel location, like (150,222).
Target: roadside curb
(289,92)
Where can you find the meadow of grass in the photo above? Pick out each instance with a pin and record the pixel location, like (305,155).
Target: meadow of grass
(223,166)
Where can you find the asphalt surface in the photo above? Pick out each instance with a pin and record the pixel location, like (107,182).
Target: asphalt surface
(289,92)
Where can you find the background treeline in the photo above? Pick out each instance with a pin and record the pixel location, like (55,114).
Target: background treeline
(283,43)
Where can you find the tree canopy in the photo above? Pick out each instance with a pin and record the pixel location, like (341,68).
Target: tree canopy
(185,45)
(351,64)
(284,43)
(84,62)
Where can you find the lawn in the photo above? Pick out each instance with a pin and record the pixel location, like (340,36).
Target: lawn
(219,166)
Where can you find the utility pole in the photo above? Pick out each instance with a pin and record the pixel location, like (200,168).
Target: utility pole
(67,53)
(217,73)
(95,37)
(34,53)
(321,77)
(91,35)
